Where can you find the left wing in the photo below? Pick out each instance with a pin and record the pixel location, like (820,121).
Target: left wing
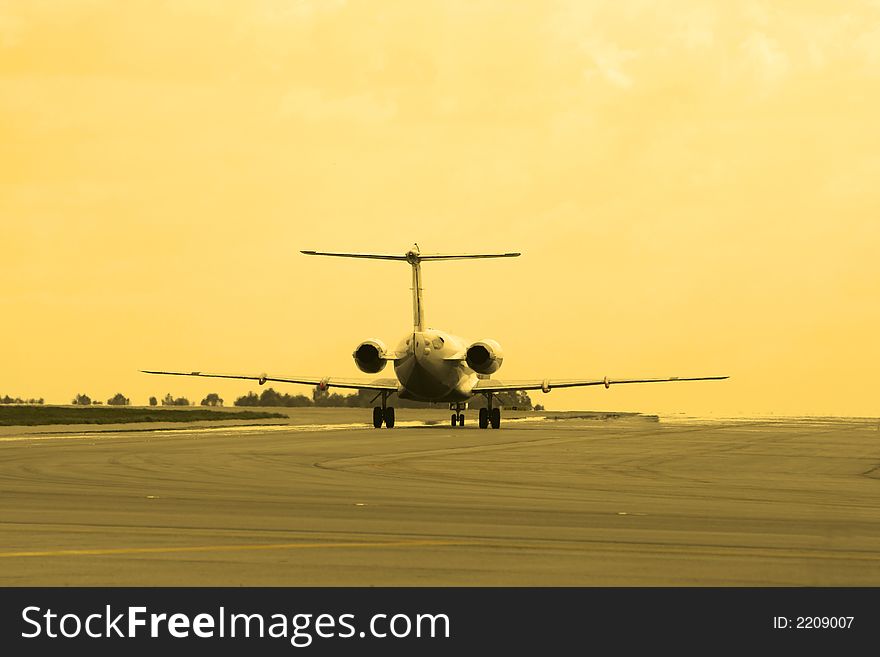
(323,383)
(546,385)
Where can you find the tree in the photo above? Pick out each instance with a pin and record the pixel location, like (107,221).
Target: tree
(320,397)
(324,398)
(513,399)
(82,400)
(118,400)
(168,400)
(153,401)
(270,397)
(6,399)
(213,399)
(251,399)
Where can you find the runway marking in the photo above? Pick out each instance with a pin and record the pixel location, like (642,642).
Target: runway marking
(225,430)
(585,547)
(99,552)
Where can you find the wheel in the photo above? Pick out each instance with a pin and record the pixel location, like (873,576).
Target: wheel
(495,417)
(484,418)
(461,419)
(454,419)
(377,417)
(389,417)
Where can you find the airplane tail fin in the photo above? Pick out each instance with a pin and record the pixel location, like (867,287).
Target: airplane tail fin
(414,257)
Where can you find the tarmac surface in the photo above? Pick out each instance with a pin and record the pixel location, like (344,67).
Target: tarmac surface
(328,501)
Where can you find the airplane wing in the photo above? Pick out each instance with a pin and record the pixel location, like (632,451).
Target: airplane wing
(546,385)
(390,385)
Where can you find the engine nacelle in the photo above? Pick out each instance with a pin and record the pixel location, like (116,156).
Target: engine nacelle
(370,356)
(484,357)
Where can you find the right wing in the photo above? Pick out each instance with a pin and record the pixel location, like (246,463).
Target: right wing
(390,385)
(546,385)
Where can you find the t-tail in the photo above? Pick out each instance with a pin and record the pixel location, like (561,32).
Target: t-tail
(414,257)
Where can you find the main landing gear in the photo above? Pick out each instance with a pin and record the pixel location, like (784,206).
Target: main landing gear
(383,414)
(490,415)
(457,415)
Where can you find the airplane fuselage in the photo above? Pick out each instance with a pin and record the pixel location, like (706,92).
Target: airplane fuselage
(428,371)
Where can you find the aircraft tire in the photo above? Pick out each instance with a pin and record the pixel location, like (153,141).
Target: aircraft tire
(484,418)
(389,417)
(495,418)
(461,419)
(377,417)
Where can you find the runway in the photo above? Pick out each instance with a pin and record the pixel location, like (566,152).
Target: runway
(328,501)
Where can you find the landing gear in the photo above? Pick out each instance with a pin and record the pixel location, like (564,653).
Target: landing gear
(457,415)
(490,415)
(383,414)
(495,418)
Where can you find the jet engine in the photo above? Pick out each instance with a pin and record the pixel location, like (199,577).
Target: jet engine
(484,357)
(370,356)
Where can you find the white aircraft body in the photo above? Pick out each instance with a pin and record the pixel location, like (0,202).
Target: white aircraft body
(431,365)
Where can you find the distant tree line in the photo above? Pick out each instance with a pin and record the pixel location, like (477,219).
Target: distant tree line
(18,400)
(168,400)
(320,398)
(116,400)
(512,399)
(119,399)
(517,399)
(212,399)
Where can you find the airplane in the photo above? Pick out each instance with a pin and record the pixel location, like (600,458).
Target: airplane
(431,365)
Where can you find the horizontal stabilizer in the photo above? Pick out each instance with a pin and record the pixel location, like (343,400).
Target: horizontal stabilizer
(465,256)
(372,256)
(412,256)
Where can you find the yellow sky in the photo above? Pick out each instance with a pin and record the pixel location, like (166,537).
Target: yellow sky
(694,187)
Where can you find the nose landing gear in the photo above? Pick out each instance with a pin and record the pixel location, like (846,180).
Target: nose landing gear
(457,415)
